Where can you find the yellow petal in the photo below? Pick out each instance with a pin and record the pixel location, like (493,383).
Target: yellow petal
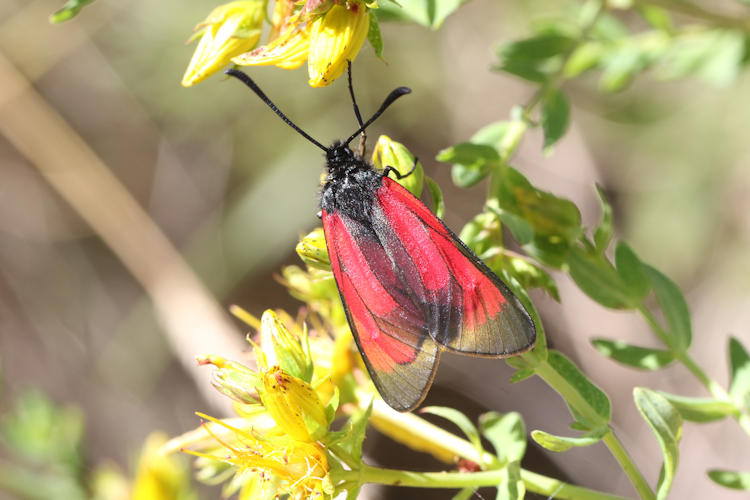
(337,37)
(229,30)
(288,51)
(295,406)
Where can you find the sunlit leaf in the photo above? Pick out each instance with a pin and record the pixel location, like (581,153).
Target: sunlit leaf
(666,423)
(637,357)
(429,13)
(68,11)
(731,479)
(564,443)
(578,382)
(700,409)
(739,360)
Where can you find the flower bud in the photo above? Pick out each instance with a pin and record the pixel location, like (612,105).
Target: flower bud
(229,30)
(389,153)
(294,405)
(281,348)
(336,38)
(232,379)
(313,251)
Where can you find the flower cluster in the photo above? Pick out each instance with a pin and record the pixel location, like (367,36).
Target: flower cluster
(325,33)
(286,406)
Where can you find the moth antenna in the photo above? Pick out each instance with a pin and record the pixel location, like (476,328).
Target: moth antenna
(244,78)
(395,94)
(363,136)
(351,93)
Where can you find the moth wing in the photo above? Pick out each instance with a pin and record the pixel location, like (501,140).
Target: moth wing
(385,317)
(469,309)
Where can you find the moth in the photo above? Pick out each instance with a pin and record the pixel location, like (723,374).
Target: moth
(410,288)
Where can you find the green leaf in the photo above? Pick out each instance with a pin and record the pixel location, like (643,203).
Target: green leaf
(605,229)
(674,308)
(522,374)
(461,421)
(68,11)
(428,13)
(471,162)
(42,432)
(586,56)
(482,234)
(598,279)
(637,357)
(506,432)
(579,383)
(548,215)
(354,435)
(374,36)
(555,117)
(537,48)
(631,270)
(666,423)
(657,17)
(530,275)
(715,55)
(564,443)
(731,479)
(620,68)
(700,409)
(518,227)
(436,195)
(739,362)
(524,69)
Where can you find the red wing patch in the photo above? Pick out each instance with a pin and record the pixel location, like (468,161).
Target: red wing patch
(390,333)
(492,320)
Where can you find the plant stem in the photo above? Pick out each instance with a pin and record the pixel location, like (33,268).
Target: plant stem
(419,434)
(534,482)
(575,400)
(698,12)
(622,457)
(713,387)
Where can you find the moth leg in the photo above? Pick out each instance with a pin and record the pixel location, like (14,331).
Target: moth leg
(387,170)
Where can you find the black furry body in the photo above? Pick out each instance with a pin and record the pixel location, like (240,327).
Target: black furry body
(351,184)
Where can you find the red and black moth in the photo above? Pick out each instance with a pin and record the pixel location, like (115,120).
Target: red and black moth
(410,288)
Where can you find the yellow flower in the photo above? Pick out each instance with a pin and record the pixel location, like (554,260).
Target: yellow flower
(160,475)
(270,465)
(326,35)
(229,30)
(294,405)
(336,39)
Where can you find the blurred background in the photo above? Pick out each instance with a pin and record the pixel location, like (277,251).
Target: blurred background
(134,211)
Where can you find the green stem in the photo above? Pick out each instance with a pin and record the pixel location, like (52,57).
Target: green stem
(622,457)
(698,12)
(420,434)
(534,482)
(576,401)
(714,388)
